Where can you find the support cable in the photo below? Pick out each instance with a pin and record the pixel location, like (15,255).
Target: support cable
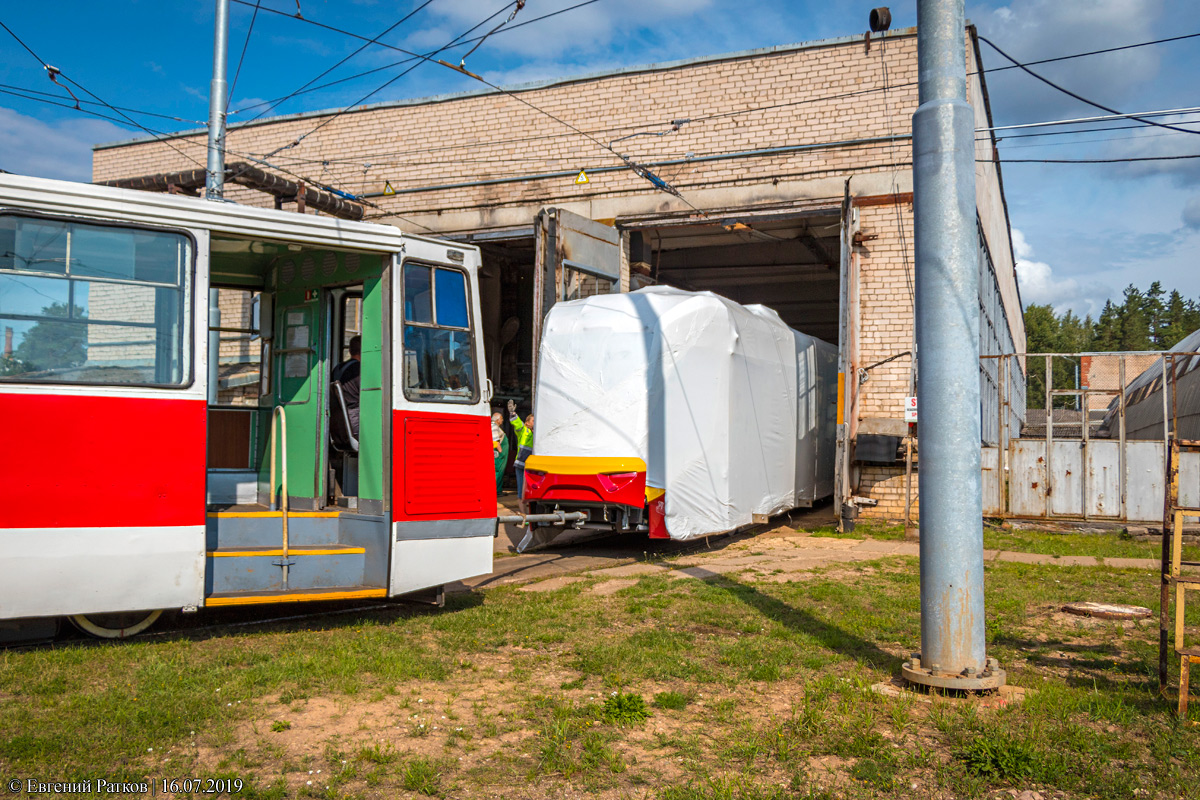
(1078,97)
(242,57)
(55,73)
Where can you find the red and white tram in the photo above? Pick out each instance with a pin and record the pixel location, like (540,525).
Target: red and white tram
(172,435)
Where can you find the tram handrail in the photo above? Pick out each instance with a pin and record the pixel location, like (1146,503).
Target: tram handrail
(281,415)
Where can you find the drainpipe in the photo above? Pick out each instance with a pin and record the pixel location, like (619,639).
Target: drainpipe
(214,184)
(947,285)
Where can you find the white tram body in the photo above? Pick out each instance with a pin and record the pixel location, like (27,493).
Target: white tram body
(155,349)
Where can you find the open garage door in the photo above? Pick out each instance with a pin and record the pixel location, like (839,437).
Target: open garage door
(575,257)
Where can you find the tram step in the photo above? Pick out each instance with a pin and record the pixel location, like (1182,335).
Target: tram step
(255,569)
(295,596)
(228,529)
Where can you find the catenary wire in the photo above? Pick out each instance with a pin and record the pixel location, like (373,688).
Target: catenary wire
(245,46)
(410,59)
(55,73)
(361,47)
(1075,95)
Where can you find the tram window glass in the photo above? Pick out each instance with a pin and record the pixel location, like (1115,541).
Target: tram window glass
(94,304)
(439,364)
(239,357)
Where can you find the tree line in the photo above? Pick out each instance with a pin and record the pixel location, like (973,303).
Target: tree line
(1149,320)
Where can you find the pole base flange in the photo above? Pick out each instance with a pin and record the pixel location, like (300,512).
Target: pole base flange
(992,676)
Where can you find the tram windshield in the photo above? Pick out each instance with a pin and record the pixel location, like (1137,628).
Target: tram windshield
(438,361)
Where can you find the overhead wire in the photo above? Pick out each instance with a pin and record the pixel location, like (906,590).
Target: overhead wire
(412,56)
(375,40)
(55,73)
(245,46)
(1076,95)
(295,142)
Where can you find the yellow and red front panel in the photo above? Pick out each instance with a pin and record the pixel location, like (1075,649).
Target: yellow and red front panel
(576,480)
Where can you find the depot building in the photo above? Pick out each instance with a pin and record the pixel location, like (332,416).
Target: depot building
(780,176)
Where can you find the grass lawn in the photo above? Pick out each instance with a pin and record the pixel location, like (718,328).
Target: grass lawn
(1107,544)
(660,688)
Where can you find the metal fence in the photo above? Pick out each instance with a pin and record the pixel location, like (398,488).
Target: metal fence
(1091,439)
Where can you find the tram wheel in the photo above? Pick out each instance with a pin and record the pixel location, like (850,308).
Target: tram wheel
(120,625)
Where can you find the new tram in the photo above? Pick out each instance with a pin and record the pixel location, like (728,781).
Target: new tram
(175,432)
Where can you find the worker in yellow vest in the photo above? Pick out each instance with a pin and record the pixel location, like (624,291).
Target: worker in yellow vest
(524,444)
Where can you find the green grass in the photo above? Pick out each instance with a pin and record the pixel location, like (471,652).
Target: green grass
(760,690)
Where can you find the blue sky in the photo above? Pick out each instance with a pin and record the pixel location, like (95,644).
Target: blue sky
(1082,232)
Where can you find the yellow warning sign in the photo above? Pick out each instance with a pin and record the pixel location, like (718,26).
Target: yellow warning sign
(581,178)
(388,191)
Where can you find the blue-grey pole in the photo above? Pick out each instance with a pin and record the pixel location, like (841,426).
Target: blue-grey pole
(947,319)
(214,182)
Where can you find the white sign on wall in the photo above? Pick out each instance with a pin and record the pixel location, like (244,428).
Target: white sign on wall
(910,409)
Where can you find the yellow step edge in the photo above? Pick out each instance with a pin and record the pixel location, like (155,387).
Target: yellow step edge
(232,514)
(294,597)
(298,550)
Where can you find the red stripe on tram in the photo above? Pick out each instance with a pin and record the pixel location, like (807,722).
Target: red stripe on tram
(443,466)
(94,461)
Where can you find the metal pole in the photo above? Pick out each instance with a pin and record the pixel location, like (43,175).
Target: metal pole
(947,241)
(214,183)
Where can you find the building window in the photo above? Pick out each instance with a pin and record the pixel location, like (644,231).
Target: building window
(439,364)
(93,304)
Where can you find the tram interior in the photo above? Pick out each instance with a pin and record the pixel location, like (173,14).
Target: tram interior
(284,319)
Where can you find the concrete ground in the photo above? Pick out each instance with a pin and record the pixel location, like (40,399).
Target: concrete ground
(779,551)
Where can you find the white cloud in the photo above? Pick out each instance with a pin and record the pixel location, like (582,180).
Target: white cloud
(61,149)
(1039,285)
(1029,30)
(1191,213)
(585,30)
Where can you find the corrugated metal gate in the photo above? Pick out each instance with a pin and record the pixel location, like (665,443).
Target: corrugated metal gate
(1092,444)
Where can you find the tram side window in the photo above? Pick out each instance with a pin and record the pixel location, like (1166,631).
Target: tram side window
(439,363)
(94,304)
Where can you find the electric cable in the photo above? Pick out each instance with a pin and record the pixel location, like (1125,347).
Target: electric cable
(361,47)
(55,73)
(14,89)
(1078,97)
(295,142)
(1127,160)
(245,45)
(412,56)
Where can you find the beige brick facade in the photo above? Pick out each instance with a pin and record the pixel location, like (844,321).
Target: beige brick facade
(783,128)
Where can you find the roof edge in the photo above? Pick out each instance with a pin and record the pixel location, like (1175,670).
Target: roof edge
(547,83)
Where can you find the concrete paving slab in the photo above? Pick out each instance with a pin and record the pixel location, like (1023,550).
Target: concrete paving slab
(628,570)
(990,555)
(612,586)
(889,548)
(551,584)
(1133,563)
(1041,558)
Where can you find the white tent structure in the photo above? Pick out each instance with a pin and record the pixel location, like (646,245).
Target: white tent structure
(732,411)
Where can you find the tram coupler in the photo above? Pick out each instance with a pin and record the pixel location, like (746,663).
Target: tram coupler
(553,518)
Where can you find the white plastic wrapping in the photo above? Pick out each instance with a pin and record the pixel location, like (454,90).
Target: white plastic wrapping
(732,411)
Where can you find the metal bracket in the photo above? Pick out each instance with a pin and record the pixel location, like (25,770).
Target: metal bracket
(968,680)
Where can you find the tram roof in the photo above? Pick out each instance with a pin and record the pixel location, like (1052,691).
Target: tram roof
(224,218)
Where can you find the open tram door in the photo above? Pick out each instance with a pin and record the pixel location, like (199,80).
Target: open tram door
(442,494)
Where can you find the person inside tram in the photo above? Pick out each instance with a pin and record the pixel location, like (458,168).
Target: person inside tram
(349,374)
